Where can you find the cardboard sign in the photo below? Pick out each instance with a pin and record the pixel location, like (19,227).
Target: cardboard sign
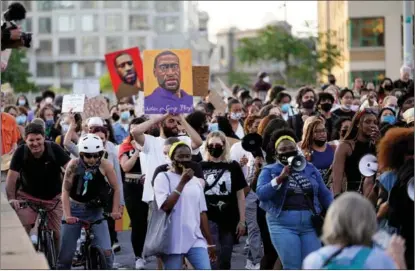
(217,101)
(201,78)
(89,87)
(168,81)
(96,107)
(126,71)
(74,102)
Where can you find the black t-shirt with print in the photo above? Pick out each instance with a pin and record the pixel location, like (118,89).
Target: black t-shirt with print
(137,166)
(223,193)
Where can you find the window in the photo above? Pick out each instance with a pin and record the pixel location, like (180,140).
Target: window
(27,25)
(66,23)
(167,24)
(89,23)
(113,22)
(413,31)
(375,76)
(44,5)
(139,42)
(65,70)
(90,46)
(89,4)
(67,86)
(140,5)
(113,44)
(45,69)
(167,6)
(222,52)
(67,46)
(45,25)
(87,69)
(45,48)
(139,22)
(367,32)
(112,4)
(64,4)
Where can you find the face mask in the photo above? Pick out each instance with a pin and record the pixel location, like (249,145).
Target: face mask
(389,119)
(21,119)
(285,108)
(332,82)
(308,104)
(125,115)
(215,152)
(283,157)
(213,127)
(22,102)
(65,127)
(178,167)
(186,164)
(115,116)
(346,107)
(266,79)
(319,143)
(48,100)
(132,112)
(388,87)
(354,108)
(49,122)
(326,107)
(236,116)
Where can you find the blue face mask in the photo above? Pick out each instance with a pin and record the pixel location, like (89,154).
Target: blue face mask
(22,102)
(125,115)
(50,122)
(213,127)
(285,108)
(21,119)
(389,119)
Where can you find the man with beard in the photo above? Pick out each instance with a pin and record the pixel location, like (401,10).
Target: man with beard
(152,151)
(126,71)
(168,97)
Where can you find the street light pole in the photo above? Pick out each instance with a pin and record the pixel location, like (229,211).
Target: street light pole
(408,28)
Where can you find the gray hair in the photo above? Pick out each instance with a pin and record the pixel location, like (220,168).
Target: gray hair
(405,69)
(350,220)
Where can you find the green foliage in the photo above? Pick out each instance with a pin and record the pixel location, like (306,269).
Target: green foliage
(105,83)
(17,73)
(239,78)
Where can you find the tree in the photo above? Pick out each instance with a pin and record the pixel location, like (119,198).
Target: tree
(239,78)
(105,83)
(17,73)
(328,53)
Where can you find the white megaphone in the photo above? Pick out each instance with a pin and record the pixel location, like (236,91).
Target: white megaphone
(410,189)
(297,163)
(368,165)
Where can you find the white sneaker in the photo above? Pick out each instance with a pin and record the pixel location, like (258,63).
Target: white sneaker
(140,264)
(116,247)
(256,266)
(249,265)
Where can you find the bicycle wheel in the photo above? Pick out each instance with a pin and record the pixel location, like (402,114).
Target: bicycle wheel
(96,259)
(50,250)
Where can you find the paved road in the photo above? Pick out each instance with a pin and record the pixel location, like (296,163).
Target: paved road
(126,260)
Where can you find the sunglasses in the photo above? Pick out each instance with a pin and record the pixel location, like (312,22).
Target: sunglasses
(92,155)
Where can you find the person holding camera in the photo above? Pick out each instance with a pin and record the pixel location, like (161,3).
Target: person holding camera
(179,193)
(12,35)
(293,200)
(225,196)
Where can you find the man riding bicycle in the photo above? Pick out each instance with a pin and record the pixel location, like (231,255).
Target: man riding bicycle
(84,194)
(35,175)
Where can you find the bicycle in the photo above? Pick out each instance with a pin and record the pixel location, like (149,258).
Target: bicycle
(92,256)
(46,237)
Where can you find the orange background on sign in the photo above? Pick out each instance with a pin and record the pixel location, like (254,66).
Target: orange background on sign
(150,81)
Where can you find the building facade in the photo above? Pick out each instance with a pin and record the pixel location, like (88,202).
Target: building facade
(370,36)
(70,38)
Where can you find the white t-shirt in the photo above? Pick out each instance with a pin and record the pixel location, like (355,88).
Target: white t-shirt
(240,131)
(184,230)
(237,152)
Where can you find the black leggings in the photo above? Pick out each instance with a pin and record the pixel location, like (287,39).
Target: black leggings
(270,254)
(138,212)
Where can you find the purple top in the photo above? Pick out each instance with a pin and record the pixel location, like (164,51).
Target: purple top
(161,101)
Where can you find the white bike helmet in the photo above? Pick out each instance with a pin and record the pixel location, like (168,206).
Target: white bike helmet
(90,143)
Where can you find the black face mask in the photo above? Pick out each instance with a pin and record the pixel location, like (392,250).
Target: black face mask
(308,104)
(332,81)
(132,113)
(283,157)
(326,107)
(388,87)
(178,167)
(215,152)
(319,143)
(115,117)
(186,164)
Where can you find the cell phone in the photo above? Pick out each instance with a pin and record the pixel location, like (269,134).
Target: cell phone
(382,239)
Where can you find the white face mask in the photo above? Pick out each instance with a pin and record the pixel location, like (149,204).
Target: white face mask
(266,79)
(236,116)
(354,108)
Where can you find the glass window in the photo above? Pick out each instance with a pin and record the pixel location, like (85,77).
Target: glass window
(27,25)
(139,22)
(45,69)
(413,30)
(112,4)
(87,69)
(45,48)
(89,4)
(89,23)
(167,24)
(66,23)
(90,46)
(139,42)
(113,22)
(45,25)
(67,46)
(65,70)
(141,5)
(113,44)
(367,32)
(167,6)
(375,76)
(44,5)
(64,4)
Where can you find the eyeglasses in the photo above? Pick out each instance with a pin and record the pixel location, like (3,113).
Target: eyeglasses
(122,65)
(165,67)
(92,155)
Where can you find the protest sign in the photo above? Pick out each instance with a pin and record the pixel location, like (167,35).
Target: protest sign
(201,77)
(217,101)
(168,85)
(96,107)
(73,102)
(89,87)
(126,71)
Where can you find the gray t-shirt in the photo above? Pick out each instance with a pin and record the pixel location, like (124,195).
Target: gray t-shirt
(377,259)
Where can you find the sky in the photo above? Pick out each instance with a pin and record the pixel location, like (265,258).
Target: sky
(255,14)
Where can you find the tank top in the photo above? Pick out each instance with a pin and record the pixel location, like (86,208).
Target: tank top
(323,160)
(87,187)
(351,167)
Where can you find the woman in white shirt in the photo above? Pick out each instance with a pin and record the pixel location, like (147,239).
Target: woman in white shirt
(180,193)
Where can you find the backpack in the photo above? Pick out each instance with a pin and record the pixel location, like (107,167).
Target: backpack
(356,263)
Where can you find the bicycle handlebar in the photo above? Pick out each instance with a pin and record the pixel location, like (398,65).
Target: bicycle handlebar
(37,206)
(88,223)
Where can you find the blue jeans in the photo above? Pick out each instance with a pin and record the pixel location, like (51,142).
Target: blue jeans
(224,241)
(293,236)
(197,256)
(71,232)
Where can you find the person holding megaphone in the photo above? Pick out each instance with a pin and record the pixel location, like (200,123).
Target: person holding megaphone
(293,194)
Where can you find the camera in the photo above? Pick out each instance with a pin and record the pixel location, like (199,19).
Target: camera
(15,12)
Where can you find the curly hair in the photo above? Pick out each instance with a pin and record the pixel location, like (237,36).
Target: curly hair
(394,146)
(301,92)
(249,121)
(264,123)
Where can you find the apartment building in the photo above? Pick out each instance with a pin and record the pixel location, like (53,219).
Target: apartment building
(369,35)
(70,38)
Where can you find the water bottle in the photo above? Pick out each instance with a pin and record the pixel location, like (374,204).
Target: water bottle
(34,239)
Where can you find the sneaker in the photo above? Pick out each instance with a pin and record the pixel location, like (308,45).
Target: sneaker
(140,264)
(116,247)
(256,266)
(116,265)
(249,265)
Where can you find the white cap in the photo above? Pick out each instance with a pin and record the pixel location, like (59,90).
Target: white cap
(408,115)
(95,121)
